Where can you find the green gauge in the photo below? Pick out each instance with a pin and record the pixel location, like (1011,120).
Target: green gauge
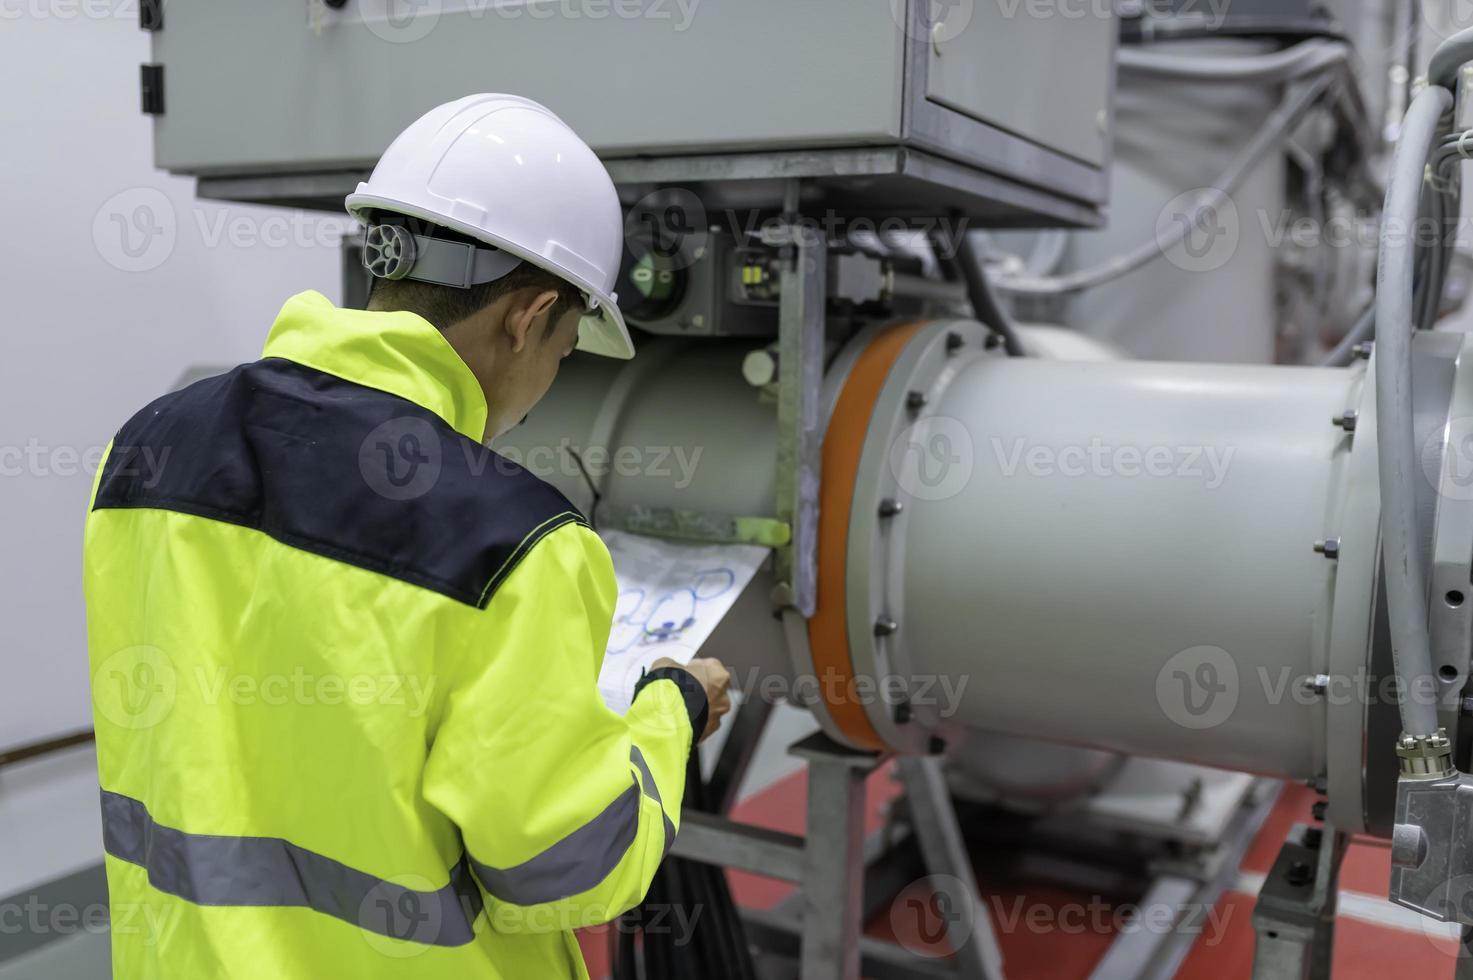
(650,284)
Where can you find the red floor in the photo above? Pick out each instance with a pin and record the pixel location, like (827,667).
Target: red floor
(1054,933)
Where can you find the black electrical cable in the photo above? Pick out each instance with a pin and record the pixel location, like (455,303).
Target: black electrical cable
(688,926)
(959,262)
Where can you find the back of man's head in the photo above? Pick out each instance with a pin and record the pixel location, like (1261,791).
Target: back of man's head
(445,306)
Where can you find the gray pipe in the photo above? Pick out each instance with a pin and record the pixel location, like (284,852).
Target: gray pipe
(1344,352)
(1449,58)
(1406,591)
(1302,59)
(1267,139)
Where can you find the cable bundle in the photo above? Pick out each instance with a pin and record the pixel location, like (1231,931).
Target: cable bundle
(649,945)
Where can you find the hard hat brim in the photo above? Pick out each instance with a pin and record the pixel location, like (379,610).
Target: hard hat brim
(604,333)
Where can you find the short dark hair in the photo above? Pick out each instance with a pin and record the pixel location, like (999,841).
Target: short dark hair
(445,306)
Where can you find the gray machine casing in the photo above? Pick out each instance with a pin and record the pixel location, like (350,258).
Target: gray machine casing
(1003,116)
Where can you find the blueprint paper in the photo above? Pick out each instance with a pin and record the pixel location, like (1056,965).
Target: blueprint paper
(671,596)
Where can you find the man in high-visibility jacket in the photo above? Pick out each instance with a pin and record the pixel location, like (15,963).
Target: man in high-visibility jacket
(344,656)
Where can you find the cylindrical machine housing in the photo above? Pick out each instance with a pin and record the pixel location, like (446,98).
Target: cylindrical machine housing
(1169,560)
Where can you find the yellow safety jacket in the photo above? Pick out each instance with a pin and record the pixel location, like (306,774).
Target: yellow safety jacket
(344,665)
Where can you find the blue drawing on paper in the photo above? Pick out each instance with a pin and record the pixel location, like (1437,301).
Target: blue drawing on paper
(643,619)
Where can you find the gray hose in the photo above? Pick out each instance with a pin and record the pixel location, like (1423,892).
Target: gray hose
(1305,58)
(1406,590)
(1293,109)
(1449,59)
(1363,330)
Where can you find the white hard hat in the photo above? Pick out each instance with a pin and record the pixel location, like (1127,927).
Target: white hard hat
(508,172)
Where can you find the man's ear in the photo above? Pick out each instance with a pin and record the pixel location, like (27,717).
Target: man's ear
(526,310)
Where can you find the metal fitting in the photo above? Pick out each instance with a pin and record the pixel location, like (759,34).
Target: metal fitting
(1346,421)
(889,507)
(1425,756)
(1330,548)
(915,400)
(884,626)
(1362,351)
(1316,684)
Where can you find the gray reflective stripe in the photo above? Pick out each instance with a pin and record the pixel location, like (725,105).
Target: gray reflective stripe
(267,871)
(582,859)
(653,792)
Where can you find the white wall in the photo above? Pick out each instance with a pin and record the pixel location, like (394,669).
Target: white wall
(92,326)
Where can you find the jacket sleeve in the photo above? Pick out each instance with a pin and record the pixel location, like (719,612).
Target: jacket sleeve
(565,807)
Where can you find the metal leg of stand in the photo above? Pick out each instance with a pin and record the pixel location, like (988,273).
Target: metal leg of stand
(833,859)
(969,928)
(1295,914)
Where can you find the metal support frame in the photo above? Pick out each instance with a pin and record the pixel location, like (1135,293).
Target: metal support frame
(804,258)
(1295,914)
(833,859)
(843,878)
(970,931)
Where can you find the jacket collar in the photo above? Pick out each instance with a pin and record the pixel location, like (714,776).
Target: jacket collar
(401,353)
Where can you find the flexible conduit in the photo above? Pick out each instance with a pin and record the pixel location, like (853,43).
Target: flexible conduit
(1406,591)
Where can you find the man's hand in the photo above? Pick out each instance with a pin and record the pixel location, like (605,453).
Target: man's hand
(716,681)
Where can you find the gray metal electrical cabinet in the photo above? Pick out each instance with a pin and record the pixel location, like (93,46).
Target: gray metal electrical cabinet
(293,99)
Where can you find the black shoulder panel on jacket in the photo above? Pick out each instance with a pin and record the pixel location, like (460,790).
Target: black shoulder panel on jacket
(338,469)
